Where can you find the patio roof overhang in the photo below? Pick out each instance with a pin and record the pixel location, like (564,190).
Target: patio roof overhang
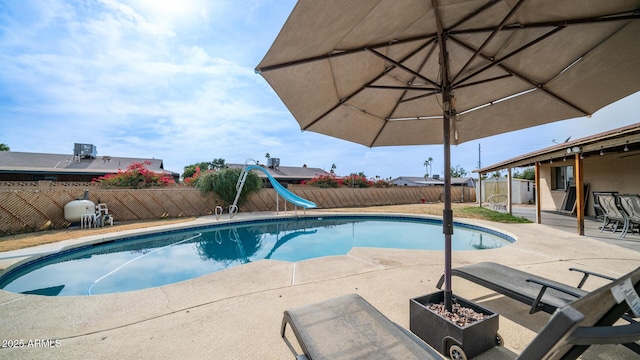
(614,141)
(625,140)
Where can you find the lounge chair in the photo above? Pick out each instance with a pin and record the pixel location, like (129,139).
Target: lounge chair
(613,214)
(630,204)
(588,321)
(348,327)
(540,293)
(597,208)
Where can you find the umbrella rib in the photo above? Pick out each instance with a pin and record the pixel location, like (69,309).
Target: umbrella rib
(488,39)
(480,82)
(344,52)
(368,85)
(407,88)
(434,91)
(399,65)
(538,86)
(606,18)
(613,17)
(494,62)
(342,101)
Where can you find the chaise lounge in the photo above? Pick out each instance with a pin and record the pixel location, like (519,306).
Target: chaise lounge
(540,293)
(348,327)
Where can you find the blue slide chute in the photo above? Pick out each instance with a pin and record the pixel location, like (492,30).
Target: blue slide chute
(282,191)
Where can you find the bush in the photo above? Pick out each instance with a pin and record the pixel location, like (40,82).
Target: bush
(382,184)
(223,183)
(192,180)
(357,181)
(135,177)
(324,181)
(353,181)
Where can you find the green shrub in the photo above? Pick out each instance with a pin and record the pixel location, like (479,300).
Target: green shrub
(223,183)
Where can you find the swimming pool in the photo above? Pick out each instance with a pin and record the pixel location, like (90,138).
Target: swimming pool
(145,261)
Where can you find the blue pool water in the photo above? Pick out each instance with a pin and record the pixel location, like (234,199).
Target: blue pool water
(153,260)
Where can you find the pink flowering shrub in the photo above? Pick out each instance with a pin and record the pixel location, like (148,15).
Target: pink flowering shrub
(324,181)
(352,181)
(135,176)
(193,179)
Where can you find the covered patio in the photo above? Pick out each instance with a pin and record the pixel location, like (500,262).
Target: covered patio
(567,174)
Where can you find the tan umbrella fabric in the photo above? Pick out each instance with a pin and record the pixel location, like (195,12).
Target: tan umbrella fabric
(410,72)
(332,60)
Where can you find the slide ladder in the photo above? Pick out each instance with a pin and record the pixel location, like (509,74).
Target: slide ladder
(280,190)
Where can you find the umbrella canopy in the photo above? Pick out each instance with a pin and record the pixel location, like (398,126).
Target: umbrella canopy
(410,72)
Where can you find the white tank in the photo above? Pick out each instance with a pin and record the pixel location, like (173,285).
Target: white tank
(73,210)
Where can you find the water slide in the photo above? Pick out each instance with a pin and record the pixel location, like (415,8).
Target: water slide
(282,191)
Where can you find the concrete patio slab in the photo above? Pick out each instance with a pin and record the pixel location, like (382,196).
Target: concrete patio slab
(236,313)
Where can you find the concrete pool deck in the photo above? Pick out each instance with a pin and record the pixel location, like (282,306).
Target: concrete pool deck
(236,313)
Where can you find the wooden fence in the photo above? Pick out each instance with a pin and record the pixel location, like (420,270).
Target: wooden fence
(35,210)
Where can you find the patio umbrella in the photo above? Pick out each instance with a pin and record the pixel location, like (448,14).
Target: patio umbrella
(410,72)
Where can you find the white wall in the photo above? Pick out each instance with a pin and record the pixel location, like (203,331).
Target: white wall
(520,193)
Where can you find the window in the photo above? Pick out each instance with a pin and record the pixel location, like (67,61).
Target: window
(562,177)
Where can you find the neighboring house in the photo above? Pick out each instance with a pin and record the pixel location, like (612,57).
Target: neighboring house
(82,166)
(435,181)
(286,174)
(609,161)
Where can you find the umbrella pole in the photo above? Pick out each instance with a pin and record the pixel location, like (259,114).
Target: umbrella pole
(448,113)
(447,213)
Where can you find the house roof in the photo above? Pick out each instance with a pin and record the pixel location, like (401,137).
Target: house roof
(608,142)
(24,162)
(288,172)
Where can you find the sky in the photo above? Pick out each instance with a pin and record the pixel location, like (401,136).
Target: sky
(175,80)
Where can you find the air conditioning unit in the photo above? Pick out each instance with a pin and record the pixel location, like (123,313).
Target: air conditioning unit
(85,150)
(273,162)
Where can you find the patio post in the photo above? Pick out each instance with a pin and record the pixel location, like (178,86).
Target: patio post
(579,193)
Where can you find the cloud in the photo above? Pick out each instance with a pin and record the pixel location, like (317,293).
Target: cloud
(175,80)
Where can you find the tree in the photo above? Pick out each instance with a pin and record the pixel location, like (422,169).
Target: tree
(190,170)
(215,164)
(427,164)
(458,172)
(527,174)
(333,168)
(218,164)
(4,147)
(267,156)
